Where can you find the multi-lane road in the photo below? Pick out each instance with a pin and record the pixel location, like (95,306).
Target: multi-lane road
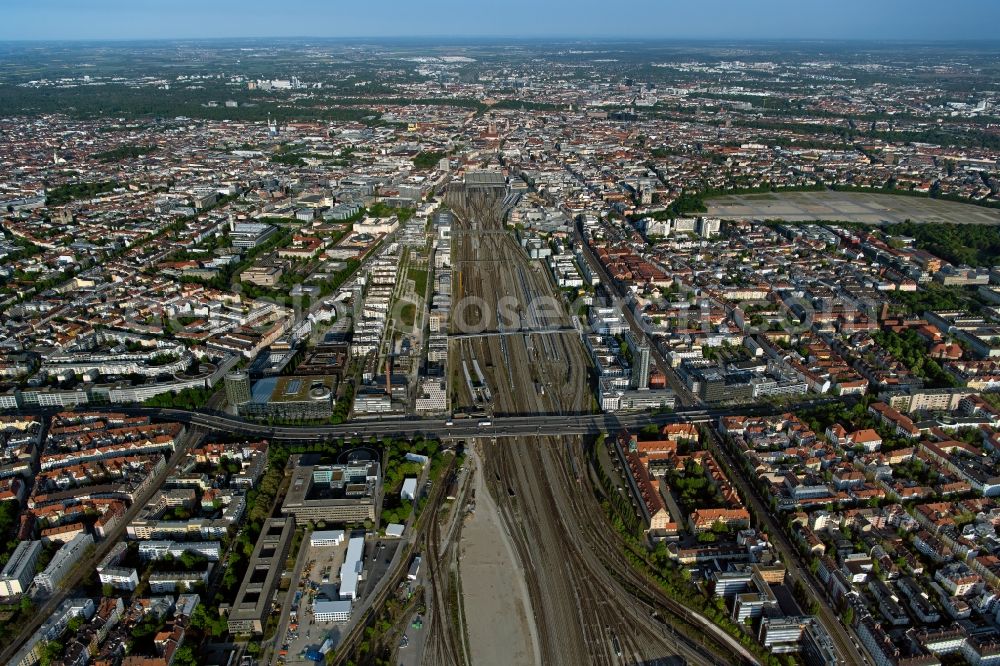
(458,428)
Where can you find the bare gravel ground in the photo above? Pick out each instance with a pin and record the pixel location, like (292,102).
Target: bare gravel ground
(848,207)
(498,614)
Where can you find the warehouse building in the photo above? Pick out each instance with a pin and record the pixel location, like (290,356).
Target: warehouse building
(350,571)
(332,611)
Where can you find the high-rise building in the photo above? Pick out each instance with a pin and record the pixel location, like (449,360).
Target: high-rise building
(709,227)
(641,370)
(237,387)
(640,361)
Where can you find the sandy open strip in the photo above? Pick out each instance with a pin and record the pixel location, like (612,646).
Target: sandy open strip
(498,613)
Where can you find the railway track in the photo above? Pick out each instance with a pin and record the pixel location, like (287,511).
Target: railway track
(589,604)
(605,544)
(392,578)
(446,642)
(443,646)
(528,374)
(614,618)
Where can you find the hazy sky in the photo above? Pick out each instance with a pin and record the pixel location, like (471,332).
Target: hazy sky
(750,19)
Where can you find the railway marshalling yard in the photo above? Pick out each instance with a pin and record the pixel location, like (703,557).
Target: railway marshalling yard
(537,561)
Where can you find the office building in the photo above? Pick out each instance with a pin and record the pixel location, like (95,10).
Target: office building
(713,385)
(735,581)
(20,569)
(781,635)
(237,387)
(817,646)
(615,399)
(248,235)
(294,398)
(756,601)
(347,493)
(640,361)
(262,275)
(607,321)
(709,227)
(249,612)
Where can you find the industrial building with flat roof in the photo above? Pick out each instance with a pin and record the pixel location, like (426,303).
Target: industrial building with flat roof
(256,594)
(332,611)
(326,538)
(350,571)
(348,493)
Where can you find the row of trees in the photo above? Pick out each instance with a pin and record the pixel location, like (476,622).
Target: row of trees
(970,244)
(189,398)
(62,194)
(130,151)
(911,349)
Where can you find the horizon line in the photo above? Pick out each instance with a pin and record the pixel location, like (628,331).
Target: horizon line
(504,37)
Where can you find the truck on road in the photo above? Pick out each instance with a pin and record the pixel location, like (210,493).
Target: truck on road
(414,568)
